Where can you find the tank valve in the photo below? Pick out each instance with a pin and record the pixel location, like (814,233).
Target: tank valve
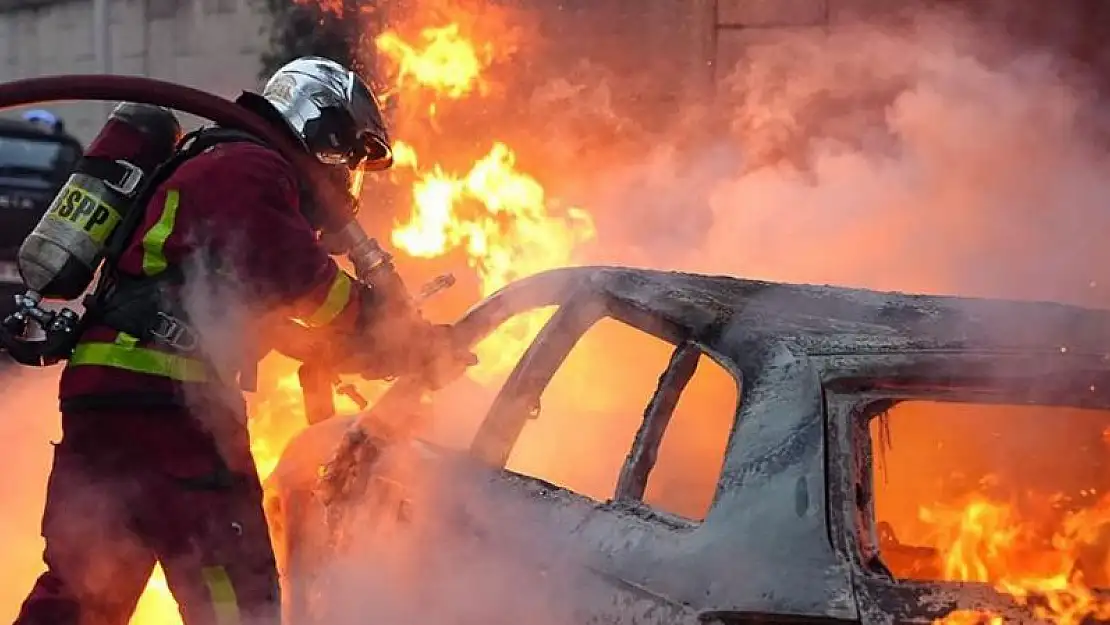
(56,331)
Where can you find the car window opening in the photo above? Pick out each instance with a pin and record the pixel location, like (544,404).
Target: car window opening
(998,494)
(459,407)
(595,404)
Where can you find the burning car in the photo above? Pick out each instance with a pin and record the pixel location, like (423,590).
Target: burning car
(786,492)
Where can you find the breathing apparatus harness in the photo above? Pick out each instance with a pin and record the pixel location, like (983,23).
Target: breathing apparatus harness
(21,332)
(138,306)
(142,306)
(147,307)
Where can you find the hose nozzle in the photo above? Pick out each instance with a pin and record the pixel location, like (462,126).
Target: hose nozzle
(364,252)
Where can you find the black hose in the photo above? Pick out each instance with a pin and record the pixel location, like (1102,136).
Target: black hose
(26,353)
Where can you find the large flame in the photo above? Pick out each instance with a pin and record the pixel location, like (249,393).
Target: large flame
(443,62)
(1046,550)
(499,216)
(503,220)
(987,541)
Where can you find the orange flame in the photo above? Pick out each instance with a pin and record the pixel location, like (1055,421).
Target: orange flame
(499,216)
(444,63)
(986,542)
(510,234)
(970,617)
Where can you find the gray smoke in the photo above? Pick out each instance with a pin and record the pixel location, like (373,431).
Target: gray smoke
(935,157)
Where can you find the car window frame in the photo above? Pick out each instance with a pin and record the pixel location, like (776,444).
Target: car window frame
(518,399)
(850,399)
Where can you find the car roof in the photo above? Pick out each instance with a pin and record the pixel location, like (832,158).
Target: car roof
(831,319)
(21,128)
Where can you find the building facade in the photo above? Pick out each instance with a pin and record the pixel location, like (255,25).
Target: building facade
(215,45)
(685,46)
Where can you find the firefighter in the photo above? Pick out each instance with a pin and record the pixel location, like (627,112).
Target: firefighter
(154,463)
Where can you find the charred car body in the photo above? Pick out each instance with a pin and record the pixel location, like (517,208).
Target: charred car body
(790,532)
(34,162)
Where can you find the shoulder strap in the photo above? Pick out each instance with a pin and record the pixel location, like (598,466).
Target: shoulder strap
(191,145)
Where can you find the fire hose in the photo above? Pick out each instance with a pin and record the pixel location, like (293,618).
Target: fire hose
(372,264)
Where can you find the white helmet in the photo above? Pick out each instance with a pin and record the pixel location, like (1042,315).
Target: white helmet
(332,110)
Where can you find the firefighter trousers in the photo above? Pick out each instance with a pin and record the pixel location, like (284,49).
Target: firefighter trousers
(132,487)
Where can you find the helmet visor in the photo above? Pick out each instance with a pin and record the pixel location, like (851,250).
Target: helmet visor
(373,144)
(368,153)
(376,154)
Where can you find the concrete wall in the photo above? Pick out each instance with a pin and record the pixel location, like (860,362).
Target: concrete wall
(686,46)
(214,45)
(740,23)
(661,46)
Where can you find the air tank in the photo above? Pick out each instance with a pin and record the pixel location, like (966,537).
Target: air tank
(62,254)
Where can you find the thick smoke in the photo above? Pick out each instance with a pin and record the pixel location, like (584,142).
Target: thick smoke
(449,547)
(229,330)
(935,156)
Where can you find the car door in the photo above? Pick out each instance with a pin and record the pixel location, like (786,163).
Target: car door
(643,497)
(588,434)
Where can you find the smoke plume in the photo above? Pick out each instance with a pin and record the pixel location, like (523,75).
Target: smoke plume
(934,156)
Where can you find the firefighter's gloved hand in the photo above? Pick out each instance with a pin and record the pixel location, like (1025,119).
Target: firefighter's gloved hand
(408,345)
(437,357)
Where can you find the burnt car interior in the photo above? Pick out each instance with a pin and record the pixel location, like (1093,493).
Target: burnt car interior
(644,413)
(961,480)
(930,456)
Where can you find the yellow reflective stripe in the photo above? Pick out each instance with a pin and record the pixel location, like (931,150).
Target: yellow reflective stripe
(338,295)
(154,241)
(224,602)
(124,354)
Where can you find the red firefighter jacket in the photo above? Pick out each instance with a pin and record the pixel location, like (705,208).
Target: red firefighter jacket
(240,201)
